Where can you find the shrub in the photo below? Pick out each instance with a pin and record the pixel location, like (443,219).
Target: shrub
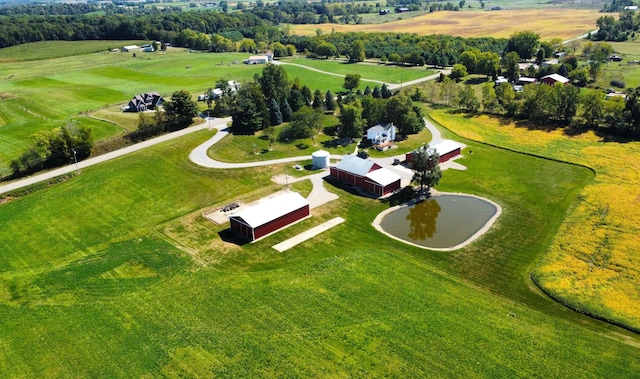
(617,83)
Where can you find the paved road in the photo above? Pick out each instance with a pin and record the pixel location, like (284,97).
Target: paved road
(215,123)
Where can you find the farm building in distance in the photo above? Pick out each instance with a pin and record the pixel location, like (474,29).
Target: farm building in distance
(446,150)
(269,215)
(257,59)
(553,79)
(144,102)
(365,174)
(129,48)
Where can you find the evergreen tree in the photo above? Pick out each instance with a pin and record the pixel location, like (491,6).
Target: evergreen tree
(317,99)
(329,101)
(376,92)
(286,110)
(385,93)
(275,116)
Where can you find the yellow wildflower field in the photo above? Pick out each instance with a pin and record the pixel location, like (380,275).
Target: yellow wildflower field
(593,263)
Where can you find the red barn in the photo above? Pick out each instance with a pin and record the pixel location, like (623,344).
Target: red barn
(554,78)
(269,215)
(446,150)
(365,174)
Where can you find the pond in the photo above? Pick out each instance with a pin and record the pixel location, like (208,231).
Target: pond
(442,222)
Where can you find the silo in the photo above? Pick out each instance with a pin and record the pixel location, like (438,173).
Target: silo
(320,159)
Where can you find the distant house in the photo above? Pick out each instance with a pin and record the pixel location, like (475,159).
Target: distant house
(402,9)
(257,59)
(553,79)
(365,174)
(631,8)
(269,215)
(524,66)
(613,95)
(144,102)
(446,150)
(148,49)
(129,48)
(550,62)
(381,133)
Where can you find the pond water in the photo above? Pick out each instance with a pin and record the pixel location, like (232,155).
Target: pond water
(440,222)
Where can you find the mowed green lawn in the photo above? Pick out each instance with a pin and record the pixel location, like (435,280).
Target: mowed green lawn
(115,273)
(53,83)
(387,73)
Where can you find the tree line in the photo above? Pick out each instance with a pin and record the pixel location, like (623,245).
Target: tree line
(542,104)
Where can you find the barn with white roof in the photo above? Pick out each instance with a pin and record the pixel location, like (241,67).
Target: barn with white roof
(269,215)
(365,174)
(445,148)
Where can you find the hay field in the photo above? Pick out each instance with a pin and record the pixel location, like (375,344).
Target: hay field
(549,23)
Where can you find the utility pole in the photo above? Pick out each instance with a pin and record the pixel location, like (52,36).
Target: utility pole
(75,159)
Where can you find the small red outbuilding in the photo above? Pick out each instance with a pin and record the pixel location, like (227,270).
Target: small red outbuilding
(269,215)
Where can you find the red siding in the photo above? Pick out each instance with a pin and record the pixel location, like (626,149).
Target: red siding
(270,227)
(281,222)
(446,157)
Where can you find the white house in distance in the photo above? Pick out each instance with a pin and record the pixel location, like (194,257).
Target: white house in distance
(129,48)
(381,133)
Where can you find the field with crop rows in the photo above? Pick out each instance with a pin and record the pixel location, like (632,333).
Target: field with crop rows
(549,23)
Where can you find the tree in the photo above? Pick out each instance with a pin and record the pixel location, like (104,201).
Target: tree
(593,108)
(372,110)
(286,110)
(377,94)
(275,116)
(385,92)
(317,99)
(351,124)
(357,52)
(329,101)
(426,168)
(181,108)
(407,118)
(249,112)
(447,90)
(489,98)
(209,97)
(488,63)
(511,61)
(274,82)
(326,49)
(467,99)
(595,68)
(351,82)
(469,59)
(579,77)
(567,98)
(305,123)
(458,72)
(506,97)
(524,43)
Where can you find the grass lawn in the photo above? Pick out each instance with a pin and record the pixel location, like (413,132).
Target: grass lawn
(379,72)
(624,70)
(115,273)
(57,89)
(57,49)
(592,263)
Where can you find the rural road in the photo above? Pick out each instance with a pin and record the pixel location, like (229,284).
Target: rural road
(199,155)
(216,123)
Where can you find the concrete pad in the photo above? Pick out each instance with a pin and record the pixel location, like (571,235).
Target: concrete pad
(293,241)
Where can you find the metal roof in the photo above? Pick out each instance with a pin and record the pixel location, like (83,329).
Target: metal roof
(383,176)
(556,77)
(355,165)
(270,208)
(445,146)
